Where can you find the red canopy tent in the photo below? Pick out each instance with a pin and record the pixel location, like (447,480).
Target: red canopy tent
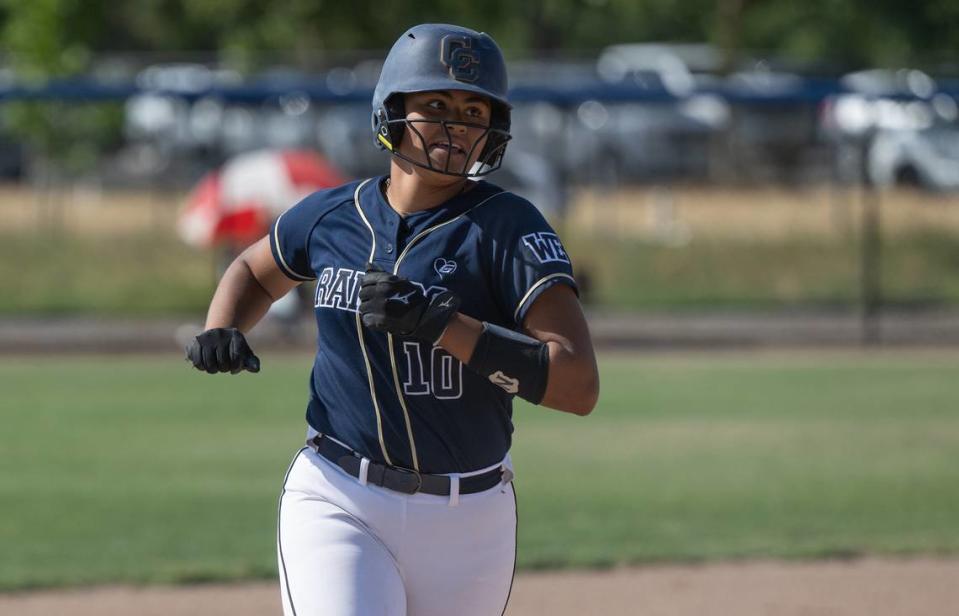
(234,205)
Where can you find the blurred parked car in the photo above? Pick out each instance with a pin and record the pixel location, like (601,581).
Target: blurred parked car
(677,68)
(666,135)
(12,158)
(345,135)
(927,158)
(646,141)
(897,127)
(880,99)
(773,131)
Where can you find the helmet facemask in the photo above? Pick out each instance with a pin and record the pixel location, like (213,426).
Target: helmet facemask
(390,126)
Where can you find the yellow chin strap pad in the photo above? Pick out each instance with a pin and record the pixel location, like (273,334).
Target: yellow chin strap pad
(385,142)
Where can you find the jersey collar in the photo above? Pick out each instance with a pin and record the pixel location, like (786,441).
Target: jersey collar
(376,207)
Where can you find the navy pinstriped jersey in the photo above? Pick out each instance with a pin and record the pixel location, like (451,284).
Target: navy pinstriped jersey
(396,400)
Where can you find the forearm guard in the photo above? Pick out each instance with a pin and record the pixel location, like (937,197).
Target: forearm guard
(517,363)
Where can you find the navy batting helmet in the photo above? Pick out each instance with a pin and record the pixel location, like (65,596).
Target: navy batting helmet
(432,57)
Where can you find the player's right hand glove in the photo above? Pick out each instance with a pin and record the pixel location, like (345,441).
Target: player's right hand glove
(392,304)
(222,349)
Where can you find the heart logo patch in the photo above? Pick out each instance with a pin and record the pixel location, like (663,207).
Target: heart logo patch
(444,267)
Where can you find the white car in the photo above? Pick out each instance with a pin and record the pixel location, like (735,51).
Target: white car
(926,158)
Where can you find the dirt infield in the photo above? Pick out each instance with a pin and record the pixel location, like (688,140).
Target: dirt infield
(870,587)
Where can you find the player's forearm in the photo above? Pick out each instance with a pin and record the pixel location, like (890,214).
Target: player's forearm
(459,339)
(573,384)
(573,380)
(239,301)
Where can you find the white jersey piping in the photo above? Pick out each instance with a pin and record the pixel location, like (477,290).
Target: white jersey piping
(359,331)
(535,286)
(279,250)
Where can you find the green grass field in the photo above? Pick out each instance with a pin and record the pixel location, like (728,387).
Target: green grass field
(917,269)
(156,274)
(138,469)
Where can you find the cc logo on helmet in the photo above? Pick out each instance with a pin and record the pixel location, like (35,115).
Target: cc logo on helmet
(458,54)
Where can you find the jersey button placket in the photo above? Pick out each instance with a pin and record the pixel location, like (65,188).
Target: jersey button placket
(399,228)
(389,243)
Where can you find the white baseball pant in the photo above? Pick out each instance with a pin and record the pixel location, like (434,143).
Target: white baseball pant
(348,549)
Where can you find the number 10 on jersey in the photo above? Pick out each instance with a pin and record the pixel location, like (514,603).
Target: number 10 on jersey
(431,370)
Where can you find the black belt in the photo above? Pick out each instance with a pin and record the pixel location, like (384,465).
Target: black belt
(400,479)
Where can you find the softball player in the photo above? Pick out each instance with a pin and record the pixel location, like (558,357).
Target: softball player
(438,299)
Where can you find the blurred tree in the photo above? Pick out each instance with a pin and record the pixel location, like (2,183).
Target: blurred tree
(728,31)
(855,33)
(48,39)
(62,33)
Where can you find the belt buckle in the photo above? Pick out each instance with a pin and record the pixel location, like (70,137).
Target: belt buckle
(408,471)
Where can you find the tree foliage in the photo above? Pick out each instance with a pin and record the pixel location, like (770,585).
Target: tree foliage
(847,32)
(48,39)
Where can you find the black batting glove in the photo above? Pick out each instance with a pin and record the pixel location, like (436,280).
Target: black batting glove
(393,304)
(222,350)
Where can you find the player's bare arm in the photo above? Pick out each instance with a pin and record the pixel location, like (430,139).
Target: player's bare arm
(556,319)
(245,292)
(247,289)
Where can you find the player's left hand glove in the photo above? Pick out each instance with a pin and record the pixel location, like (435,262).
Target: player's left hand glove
(393,304)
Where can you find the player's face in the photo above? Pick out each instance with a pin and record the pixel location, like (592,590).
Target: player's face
(446,129)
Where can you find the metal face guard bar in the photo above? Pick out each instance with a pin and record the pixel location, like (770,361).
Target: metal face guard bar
(482,166)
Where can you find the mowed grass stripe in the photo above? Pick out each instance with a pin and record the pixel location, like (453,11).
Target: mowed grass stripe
(139,469)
